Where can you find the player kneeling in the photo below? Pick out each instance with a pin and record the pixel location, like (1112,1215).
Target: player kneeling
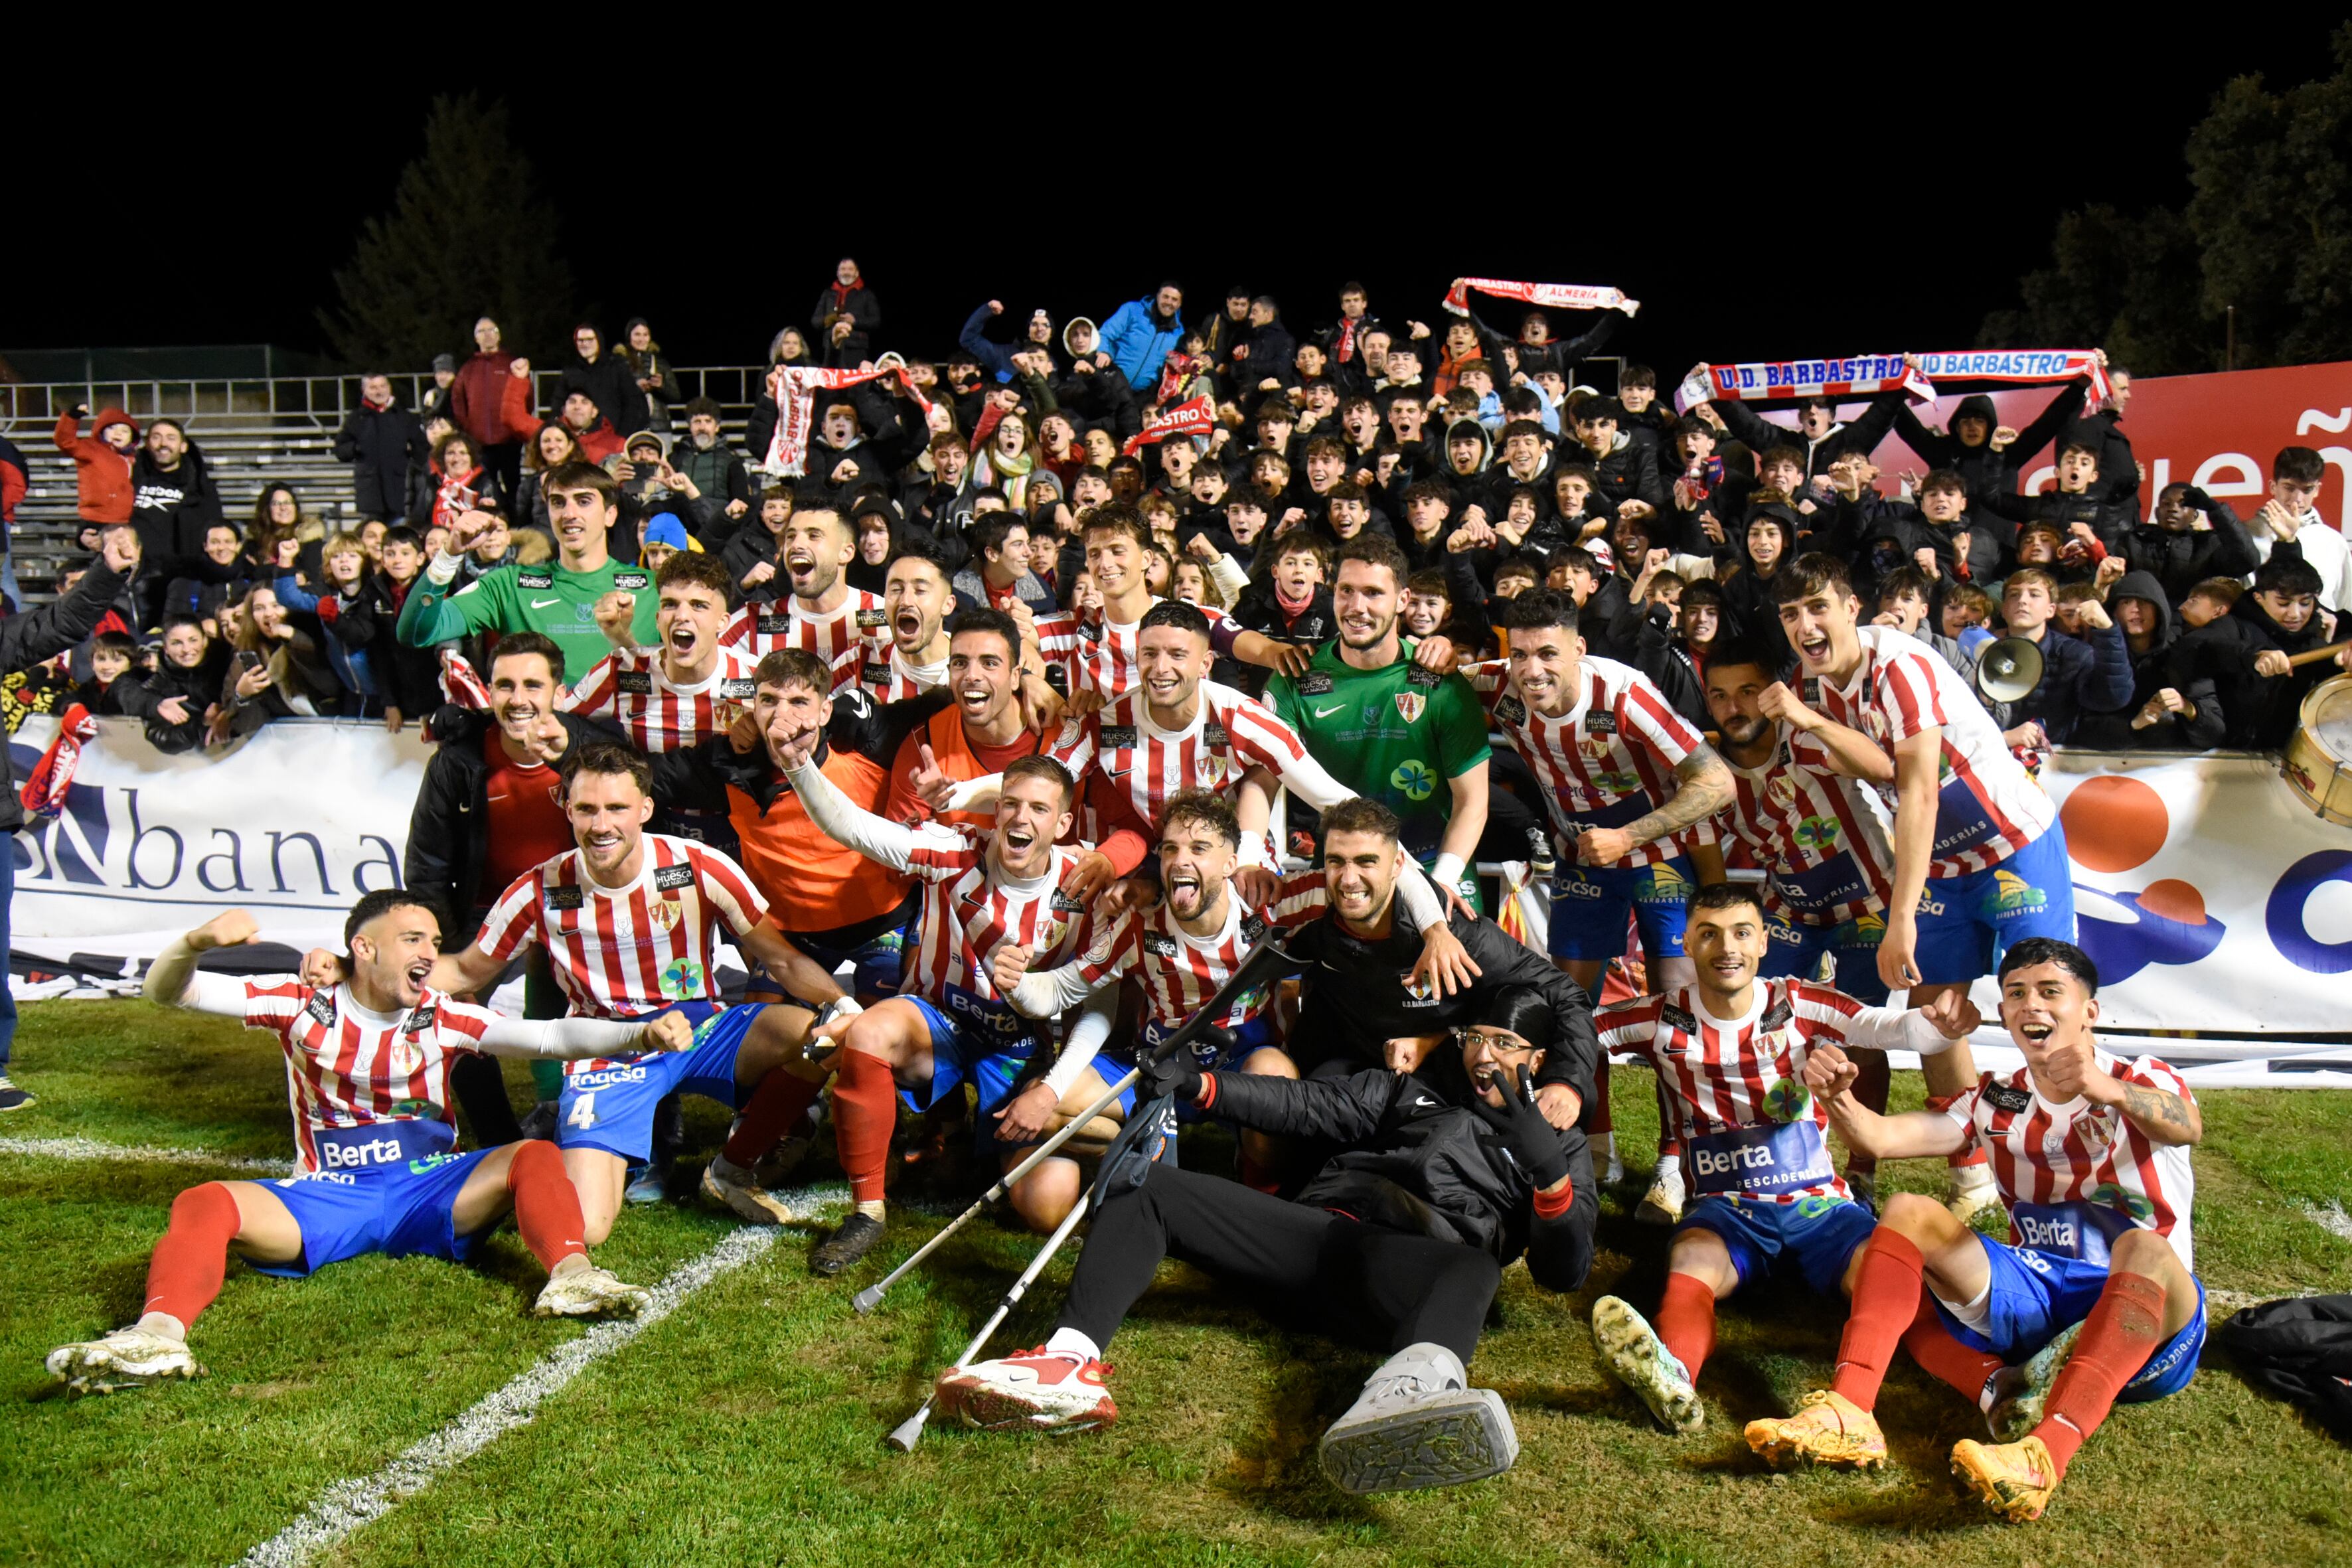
(2091,1153)
(369,1061)
(1445,1173)
(1730,1053)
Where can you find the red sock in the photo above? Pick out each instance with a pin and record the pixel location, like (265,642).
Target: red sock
(865,1113)
(1931,1344)
(1686,1321)
(547,1206)
(1972,1154)
(184,1274)
(1670,1144)
(1601,1122)
(2122,1332)
(780,1100)
(1885,1299)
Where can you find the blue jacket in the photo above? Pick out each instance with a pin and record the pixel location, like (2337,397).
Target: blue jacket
(2090,674)
(349,661)
(993,358)
(1137,342)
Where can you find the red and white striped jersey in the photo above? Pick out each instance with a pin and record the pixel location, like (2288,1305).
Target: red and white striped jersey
(621,952)
(1986,806)
(1718,1074)
(843,640)
(1100,656)
(2082,1154)
(629,688)
(1180,971)
(346,1067)
(1819,839)
(968,913)
(1231,733)
(1608,760)
(889,678)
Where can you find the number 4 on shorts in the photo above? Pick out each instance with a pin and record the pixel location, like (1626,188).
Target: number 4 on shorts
(584,1112)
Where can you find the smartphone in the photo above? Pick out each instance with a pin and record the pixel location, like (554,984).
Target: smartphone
(247,659)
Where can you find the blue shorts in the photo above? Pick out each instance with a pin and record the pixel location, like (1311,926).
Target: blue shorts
(964,1052)
(1965,922)
(400,1211)
(611,1107)
(2036,1296)
(1589,905)
(1820,1234)
(879,964)
(1796,950)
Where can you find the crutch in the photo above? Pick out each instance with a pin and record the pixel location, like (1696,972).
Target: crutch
(910,1432)
(1265,962)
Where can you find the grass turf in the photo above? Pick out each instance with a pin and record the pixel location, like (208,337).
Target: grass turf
(747,1427)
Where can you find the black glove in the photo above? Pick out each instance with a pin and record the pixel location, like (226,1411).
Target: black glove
(1534,1142)
(1175,1075)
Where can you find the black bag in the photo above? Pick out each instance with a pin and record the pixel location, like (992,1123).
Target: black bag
(2301,1347)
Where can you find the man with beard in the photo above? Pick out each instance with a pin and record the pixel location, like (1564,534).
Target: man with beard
(561,600)
(843,625)
(1388,728)
(368,1065)
(722,484)
(916,600)
(1139,335)
(174,503)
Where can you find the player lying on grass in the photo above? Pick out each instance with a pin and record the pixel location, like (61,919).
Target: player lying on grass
(1730,1053)
(1445,1173)
(2091,1301)
(368,1061)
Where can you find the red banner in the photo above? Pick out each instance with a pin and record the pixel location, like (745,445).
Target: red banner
(2218,432)
(1193,418)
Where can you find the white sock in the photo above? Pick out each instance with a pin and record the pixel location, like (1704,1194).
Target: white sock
(871,1208)
(163,1324)
(725,1168)
(1072,1343)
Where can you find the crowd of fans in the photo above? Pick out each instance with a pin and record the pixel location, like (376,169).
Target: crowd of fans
(1483,452)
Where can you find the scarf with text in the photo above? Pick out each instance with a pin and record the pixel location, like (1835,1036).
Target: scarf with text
(1867,375)
(794,388)
(1196,417)
(2023,367)
(1555,296)
(44,794)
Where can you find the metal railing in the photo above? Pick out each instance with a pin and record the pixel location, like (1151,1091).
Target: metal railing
(320,402)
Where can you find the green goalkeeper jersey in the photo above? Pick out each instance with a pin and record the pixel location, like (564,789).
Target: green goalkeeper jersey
(1396,735)
(544,598)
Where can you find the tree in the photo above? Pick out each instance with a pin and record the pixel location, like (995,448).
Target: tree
(469,234)
(2267,231)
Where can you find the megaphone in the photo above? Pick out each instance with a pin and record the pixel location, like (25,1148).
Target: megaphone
(2009,669)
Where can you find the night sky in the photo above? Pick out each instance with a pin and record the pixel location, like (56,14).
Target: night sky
(1845,202)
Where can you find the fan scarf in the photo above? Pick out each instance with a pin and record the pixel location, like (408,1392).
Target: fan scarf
(1867,375)
(1557,295)
(460,683)
(795,388)
(1196,417)
(44,794)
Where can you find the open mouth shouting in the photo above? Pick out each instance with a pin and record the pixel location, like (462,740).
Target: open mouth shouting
(799,565)
(1185,894)
(1814,648)
(1018,839)
(2034,1028)
(975,696)
(602,843)
(684,640)
(909,628)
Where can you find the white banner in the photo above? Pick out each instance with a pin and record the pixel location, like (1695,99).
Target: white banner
(2208,894)
(293,823)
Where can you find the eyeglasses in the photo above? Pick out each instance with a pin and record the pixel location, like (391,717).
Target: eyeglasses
(1478,1039)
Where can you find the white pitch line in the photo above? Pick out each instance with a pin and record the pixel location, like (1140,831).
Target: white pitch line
(91,1149)
(349,1505)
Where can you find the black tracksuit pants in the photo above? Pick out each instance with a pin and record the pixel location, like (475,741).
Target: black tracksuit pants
(1319,1269)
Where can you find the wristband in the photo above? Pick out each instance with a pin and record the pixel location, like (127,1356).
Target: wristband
(837,1007)
(1446,871)
(442,570)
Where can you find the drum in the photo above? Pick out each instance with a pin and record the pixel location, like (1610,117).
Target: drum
(2318,764)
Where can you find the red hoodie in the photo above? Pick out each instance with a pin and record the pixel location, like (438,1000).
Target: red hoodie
(596,443)
(101,474)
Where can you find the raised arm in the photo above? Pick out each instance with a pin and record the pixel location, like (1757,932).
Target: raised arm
(846,822)
(1831,1074)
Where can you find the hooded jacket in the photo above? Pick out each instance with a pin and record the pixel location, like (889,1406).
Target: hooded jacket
(2089,674)
(1424,1155)
(2201,729)
(2257,712)
(2180,559)
(1138,338)
(1985,470)
(2118,479)
(101,474)
(1761,434)
(171,507)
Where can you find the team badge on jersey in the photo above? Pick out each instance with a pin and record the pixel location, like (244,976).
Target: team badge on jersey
(405,1056)
(664,913)
(1410,705)
(1781,792)
(1418,992)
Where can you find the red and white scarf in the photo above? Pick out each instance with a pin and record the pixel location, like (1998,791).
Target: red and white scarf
(1556,295)
(1769,381)
(794,388)
(2026,368)
(1197,417)
(44,794)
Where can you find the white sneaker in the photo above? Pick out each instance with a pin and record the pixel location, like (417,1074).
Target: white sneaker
(1972,1190)
(1662,1204)
(127,1358)
(1418,1424)
(1637,1358)
(731,1187)
(590,1292)
(1039,1389)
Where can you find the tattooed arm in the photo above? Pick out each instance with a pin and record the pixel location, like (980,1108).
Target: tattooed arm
(2161,1116)
(1701,788)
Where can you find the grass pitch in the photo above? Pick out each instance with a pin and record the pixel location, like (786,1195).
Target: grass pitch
(747,1427)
